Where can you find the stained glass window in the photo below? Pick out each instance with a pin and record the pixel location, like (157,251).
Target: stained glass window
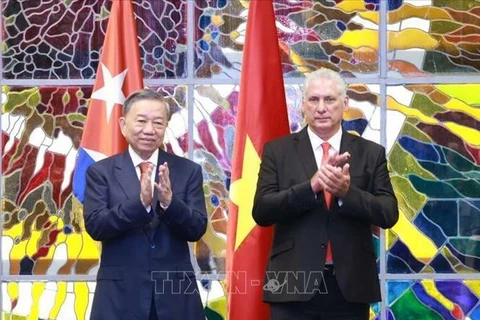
(341,35)
(433,299)
(434,162)
(73,300)
(433,37)
(63,39)
(401,58)
(43,231)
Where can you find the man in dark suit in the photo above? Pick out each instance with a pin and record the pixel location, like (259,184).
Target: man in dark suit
(144,218)
(322,189)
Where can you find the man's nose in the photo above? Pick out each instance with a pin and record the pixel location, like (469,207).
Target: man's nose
(149,128)
(321,106)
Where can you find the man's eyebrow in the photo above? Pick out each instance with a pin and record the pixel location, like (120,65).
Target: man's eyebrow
(146,116)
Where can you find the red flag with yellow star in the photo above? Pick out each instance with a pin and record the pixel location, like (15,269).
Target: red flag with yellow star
(119,74)
(262,116)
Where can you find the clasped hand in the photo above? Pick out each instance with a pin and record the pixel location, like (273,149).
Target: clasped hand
(163,186)
(334,176)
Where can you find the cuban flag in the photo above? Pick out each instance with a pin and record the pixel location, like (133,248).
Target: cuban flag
(119,74)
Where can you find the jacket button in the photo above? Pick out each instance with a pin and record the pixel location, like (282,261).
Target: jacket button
(323,246)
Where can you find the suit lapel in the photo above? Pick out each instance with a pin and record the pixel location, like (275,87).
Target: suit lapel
(128,180)
(127,176)
(155,174)
(166,157)
(305,152)
(347,143)
(162,158)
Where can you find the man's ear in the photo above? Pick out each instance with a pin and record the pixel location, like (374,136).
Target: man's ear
(346,101)
(121,123)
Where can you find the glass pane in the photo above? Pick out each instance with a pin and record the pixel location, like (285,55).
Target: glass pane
(433,300)
(42,222)
(176,136)
(433,37)
(433,135)
(341,35)
(41,130)
(162,29)
(63,39)
(213,134)
(47,300)
(73,300)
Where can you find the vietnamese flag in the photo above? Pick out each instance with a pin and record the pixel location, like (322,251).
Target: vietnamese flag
(119,74)
(262,116)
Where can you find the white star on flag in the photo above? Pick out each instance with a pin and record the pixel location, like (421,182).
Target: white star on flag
(111,92)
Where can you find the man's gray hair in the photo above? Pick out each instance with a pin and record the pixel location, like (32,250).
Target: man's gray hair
(144,94)
(324,73)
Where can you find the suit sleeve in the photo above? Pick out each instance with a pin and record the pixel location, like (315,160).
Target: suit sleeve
(188,220)
(378,205)
(102,221)
(272,205)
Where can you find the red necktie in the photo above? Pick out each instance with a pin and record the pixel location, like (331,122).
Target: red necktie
(328,196)
(143,169)
(328,199)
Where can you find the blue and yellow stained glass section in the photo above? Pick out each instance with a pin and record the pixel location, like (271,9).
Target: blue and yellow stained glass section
(340,35)
(434,134)
(433,300)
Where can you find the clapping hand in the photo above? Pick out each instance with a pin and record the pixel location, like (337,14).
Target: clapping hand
(163,186)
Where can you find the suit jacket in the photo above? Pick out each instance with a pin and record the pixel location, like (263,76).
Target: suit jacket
(303,225)
(142,251)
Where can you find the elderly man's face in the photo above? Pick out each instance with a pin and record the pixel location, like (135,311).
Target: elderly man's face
(323,107)
(144,126)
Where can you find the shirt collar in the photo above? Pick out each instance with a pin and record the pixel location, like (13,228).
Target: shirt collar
(137,160)
(334,141)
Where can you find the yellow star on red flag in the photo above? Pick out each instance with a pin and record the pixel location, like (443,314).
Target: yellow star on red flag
(242,191)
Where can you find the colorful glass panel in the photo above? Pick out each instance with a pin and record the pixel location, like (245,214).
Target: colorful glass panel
(433,299)
(53,39)
(73,300)
(43,229)
(341,35)
(434,37)
(434,131)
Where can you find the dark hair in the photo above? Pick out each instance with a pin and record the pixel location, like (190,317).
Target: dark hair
(144,94)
